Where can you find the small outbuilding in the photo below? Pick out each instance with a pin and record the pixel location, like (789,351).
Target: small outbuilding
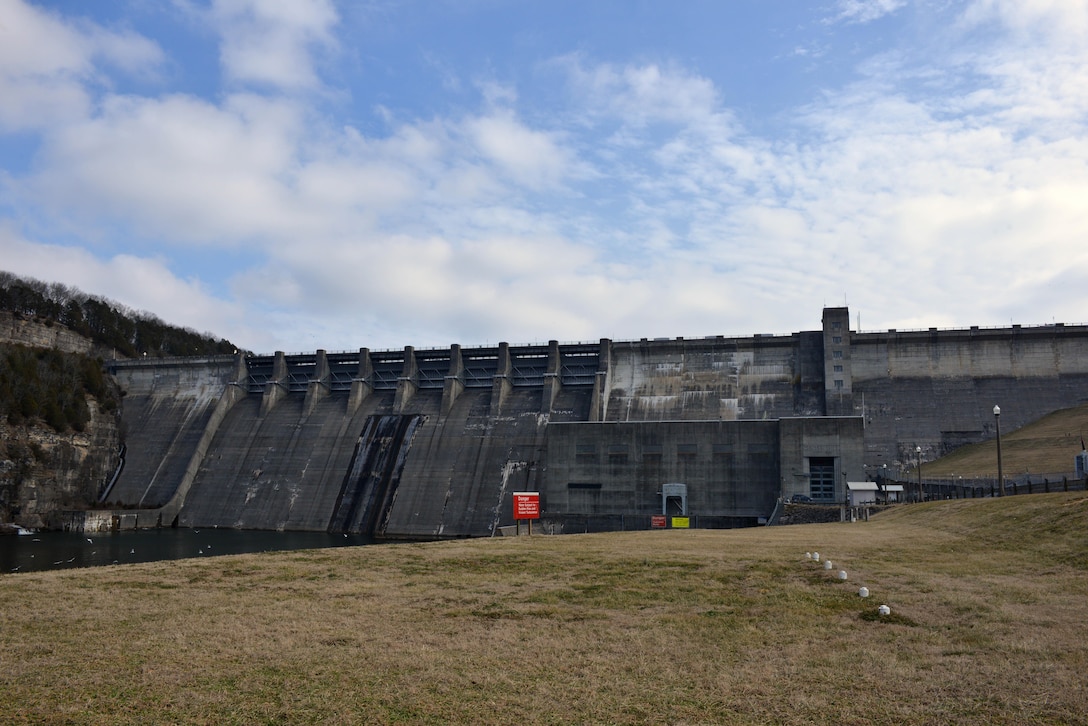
(893,493)
(862,492)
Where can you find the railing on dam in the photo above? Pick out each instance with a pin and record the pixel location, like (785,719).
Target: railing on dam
(574,364)
(999,329)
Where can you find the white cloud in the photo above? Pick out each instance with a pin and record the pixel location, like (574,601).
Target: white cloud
(884,188)
(532,158)
(866,11)
(271,42)
(643,94)
(1054,19)
(47,64)
(177,167)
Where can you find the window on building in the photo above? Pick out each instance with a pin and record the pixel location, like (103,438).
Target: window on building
(838,369)
(723,458)
(837,354)
(838,383)
(617,458)
(837,339)
(583,496)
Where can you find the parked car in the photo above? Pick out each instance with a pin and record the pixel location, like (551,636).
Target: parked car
(800,499)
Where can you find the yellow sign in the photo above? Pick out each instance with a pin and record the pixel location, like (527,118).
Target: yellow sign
(680,522)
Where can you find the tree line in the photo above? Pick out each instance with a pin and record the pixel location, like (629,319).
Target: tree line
(51,386)
(128,332)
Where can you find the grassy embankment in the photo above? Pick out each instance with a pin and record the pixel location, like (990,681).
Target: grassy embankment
(988,625)
(1047,445)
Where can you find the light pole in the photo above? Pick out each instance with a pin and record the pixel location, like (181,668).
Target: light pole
(918,451)
(1000,478)
(884,483)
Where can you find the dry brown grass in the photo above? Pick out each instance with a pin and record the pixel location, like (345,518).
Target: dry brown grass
(988,625)
(1044,446)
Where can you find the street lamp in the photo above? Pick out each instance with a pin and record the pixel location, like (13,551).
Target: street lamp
(918,451)
(884,483)
(1000,478)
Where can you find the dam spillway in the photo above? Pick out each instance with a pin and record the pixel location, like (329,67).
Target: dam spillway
(391,443)
(431,443)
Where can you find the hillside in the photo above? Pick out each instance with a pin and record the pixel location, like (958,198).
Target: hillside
(986,626)
(108,325)
(1046,446)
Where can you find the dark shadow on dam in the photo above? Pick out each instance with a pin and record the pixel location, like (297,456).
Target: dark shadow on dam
(370,485)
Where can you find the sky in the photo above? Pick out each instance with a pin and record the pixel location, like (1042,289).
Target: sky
(304,174)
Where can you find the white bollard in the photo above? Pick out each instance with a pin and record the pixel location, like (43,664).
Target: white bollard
(884,610)
(816,556)
(828,565)
(842,574)
(808,555)
(863,592)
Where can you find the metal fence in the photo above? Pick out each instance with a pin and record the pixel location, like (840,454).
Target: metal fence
(964,488)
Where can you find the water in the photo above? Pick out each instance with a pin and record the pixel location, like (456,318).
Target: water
(64,550)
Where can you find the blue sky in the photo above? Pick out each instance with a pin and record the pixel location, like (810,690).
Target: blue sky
(297,175)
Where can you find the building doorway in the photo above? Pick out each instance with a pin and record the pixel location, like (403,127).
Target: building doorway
(821,470)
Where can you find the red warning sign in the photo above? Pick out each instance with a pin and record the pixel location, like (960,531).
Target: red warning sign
(526,505)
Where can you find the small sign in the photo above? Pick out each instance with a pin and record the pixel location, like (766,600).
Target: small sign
(658,521)
(680,522)
(526,505)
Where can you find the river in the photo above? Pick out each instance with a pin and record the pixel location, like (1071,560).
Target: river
(63,550)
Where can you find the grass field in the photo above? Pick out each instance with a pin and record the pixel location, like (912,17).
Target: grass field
(988,625)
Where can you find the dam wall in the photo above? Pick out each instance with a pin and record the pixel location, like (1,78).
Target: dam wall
(937,389)
(396,444)
(423,444)
(167,407)
(717,378)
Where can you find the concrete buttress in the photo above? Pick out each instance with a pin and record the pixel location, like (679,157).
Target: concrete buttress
(362,385)
(454,383)
(318,386)
(408,382)
(277,387)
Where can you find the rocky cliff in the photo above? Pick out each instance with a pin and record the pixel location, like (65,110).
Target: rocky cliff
(47,464)
(43,471)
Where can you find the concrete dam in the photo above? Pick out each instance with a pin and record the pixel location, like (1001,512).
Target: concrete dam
(424,444)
